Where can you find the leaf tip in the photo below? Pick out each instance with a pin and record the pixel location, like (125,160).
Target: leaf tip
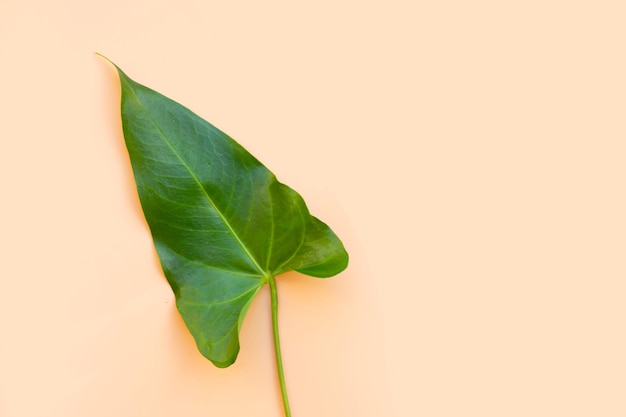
(102,56)
(121,73)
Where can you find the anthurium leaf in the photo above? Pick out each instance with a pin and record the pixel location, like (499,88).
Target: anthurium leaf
(221,222)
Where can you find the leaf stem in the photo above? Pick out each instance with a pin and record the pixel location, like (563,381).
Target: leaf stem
(279,359)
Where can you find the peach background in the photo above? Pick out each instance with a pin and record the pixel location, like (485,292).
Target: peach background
(469,154)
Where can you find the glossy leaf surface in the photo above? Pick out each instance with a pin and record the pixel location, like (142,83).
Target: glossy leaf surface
(221,222)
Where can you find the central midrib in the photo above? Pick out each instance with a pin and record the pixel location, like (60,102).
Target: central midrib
(195,178)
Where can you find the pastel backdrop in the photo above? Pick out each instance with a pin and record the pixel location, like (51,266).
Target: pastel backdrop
(469,154)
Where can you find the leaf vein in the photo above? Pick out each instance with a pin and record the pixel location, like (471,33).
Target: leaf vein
(197,180)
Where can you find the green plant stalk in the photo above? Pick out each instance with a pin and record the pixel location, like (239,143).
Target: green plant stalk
(279,358)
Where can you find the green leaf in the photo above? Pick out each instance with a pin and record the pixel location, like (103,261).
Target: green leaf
(221,222)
